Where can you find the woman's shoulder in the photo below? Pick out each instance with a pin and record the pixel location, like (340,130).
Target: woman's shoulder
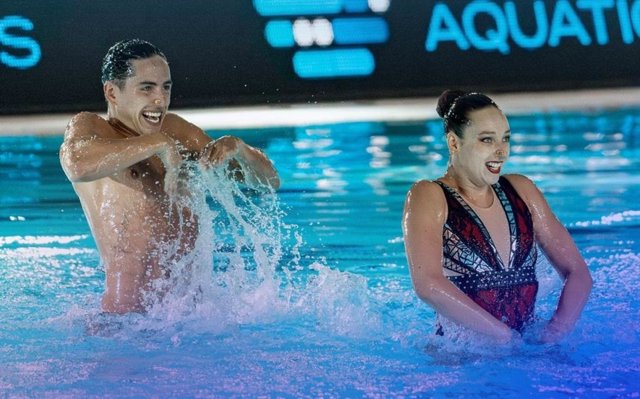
(426,193)
(525,187)
(519,182)
(426,202)
(426,187)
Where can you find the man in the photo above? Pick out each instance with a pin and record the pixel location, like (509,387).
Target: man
(125,170)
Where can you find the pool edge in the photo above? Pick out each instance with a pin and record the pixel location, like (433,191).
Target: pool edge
(389,110)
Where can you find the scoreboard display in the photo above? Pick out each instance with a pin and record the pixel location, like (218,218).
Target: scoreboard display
(230,52)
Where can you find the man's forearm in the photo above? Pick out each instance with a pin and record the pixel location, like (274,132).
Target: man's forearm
(96,158)
(260,168)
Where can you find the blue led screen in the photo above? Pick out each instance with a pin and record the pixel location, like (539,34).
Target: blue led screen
(283,51)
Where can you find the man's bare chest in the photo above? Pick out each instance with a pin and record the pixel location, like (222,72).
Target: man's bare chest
(146,177)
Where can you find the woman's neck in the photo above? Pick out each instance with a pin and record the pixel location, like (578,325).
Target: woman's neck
(478,195)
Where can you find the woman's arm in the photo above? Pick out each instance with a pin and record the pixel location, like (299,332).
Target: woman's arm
(422,223)
(560,249)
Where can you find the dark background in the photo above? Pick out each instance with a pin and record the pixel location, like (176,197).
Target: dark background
(219,56)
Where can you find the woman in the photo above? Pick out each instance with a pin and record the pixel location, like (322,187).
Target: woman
(471,235)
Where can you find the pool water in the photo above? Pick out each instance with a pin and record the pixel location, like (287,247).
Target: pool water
(308,292)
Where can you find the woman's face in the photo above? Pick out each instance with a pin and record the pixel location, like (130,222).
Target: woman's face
(482,152)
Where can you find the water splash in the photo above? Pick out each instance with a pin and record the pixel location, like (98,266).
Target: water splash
(246,268)
(627,217)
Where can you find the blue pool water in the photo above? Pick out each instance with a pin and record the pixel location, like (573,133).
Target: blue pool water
(310,293)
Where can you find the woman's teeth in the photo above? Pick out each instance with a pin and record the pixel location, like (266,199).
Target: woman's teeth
(494,167)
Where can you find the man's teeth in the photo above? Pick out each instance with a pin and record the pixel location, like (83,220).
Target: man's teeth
(152,116)
(494,165)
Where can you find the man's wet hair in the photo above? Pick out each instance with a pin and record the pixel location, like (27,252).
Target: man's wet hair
(116,65)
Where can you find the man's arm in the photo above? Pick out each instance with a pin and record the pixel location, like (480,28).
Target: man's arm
(90,151)
(558,246)
(254,168)
(247,164)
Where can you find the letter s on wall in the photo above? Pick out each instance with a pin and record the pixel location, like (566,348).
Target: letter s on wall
(24,43)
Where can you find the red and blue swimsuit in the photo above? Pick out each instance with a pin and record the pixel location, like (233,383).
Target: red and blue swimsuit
(472,262)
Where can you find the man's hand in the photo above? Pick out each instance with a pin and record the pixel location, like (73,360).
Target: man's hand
(171,159)
(170,155)
(219,151)
(246,164)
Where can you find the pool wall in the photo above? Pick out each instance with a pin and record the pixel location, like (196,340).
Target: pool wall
(266,52)
(386,110)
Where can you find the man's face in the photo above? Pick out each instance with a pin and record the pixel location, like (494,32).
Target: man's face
(144,100)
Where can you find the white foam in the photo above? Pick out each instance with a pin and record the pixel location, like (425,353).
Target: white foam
(612,219)
(247,269)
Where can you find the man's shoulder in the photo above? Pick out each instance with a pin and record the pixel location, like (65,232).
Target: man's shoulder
(86,122)
(175,124)
(86,116)
(190,135)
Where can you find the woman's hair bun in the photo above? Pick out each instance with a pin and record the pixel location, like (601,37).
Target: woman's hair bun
(446,100)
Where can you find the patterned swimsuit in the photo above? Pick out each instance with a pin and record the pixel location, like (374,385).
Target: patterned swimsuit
(472,262)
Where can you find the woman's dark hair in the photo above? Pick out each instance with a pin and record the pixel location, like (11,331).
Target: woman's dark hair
(116,65)
(454,107)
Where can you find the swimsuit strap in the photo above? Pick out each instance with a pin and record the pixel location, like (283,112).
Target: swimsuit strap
(463,223)
(469,242)
(470,256)
(522,224)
